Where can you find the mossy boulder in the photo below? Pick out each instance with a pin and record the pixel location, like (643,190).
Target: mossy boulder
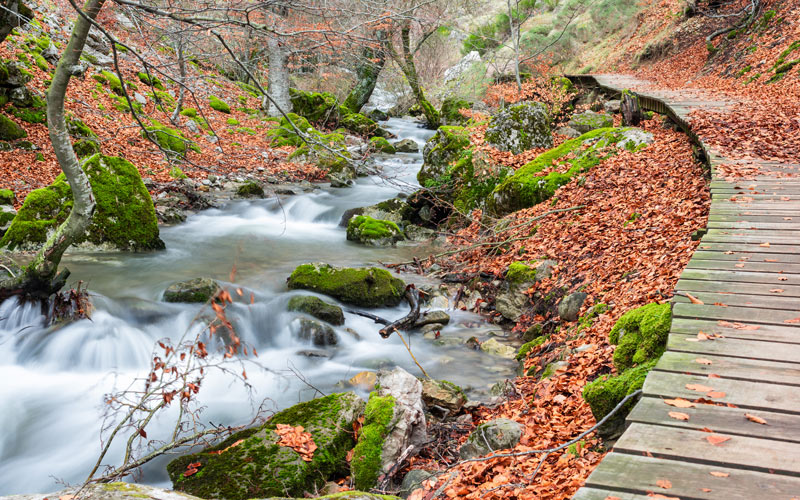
(445,147)
(520,127)
(9,130)
(150,80)
(318,308)
(194,291)
(171,140)
(364,287)
(449,113)
(366,463)
(124,219)
(382,145)
(250,189)
(318,333)
(329,153)
(252,463)
(85,147)
(218,104)
(530,184)
(641,335)
(7,197)
(286,135)
(394,210)
(361,125)
(589,120)
(78,129)
(373,232)
(323,109)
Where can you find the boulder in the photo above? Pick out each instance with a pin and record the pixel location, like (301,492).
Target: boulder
(378,115)
(124,218)
(520,127)
(393,421)
(511,299)
(443,394)
(373,232)
(7,214)
(445,147)
(570,306)
(253,464)
(318,308)
(589,120)
(462,66)
(495,348)
(607,391)
(7,197)
(393,210)
(634,138)
(364,287)
(250,189)
(568,132)
(195,291)
(418,233)
(450,114)
(319,334)
(499,434)
(431,318)
(406,146)
(612,106)
(9,130)
(381,145)
(413,481)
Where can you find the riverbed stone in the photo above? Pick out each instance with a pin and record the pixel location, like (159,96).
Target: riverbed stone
(495,348)
(124,218)
(413,481)
(520,127)
(252,464)
(499,434)
(440,151)
(194,291)
(406,146)
(392,210)
(318,308)
(589,120)
(432,317)
(570,306)
(373,232)
(321,335)
(443,394)
(365,287)
(418,233)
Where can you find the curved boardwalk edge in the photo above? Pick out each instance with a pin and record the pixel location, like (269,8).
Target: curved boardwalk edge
(746,271)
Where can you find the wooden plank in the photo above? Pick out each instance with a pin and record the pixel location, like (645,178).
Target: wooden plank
(727,288)
(753,256)
(744,264)
(749,247)
(780,426)
(772,301)
(751,348)
(772,317)
(750,237)
(637,473)
(732,368)
(766,235)
(741,277)
(739,452)
(748,395)
(601,494)
(756,219)
(759,226)
(764,333)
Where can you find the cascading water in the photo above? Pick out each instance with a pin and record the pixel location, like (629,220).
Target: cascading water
(53,379)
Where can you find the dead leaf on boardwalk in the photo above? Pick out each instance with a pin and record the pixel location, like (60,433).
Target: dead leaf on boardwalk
(737,325)
(715,394)
(717,473)
(664,483)
(777,290)
(699,387)
(679,403)
(783,278)
(694,299)
(793,320)
(716,439)
(663,497)
(703,361)
(765,244)
(612,498)
(679,416)
(755,419)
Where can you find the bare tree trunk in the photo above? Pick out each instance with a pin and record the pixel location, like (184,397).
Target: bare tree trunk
(406,63)
(278,78)
(39,278)
(368,71)
(176,115)
(515,40)
(12,14)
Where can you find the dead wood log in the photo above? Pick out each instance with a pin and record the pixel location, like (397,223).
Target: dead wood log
(407,322)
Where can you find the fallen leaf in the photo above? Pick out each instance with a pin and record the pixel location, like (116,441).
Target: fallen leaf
(694,299)
(713,375)
(783,278)
(716,439)
(663,497)
(765,244)
(793,320)
(755,419)
(699,387)
(703,361)
(777,290)
(717,473)
(612,498)
(664,483)
(715,394)
(679,403)
(679,416)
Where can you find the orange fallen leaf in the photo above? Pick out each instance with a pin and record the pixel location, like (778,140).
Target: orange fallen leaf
(679,416)
(715,394)
(679,403)
(777,290)
(716,439)
(703,361)
(793,320)
(717,473)
(783,278)
(713,375)
(765,244)
(663,497)
(706,490)
(664,483)
(612,498)
(699,387)
(755,419)
(694,299)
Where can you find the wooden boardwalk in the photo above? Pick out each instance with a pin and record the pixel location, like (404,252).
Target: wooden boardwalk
(746,272)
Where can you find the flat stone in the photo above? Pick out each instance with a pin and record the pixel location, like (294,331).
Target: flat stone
(432,317)
(499,434)
(198,290)
(495,348)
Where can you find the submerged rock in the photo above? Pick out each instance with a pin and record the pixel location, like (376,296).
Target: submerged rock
(365,287)
(198,290)
(499,434)
(406,146)
(259,467)
(520,127)
(495,348)
(314,306)
(319,334)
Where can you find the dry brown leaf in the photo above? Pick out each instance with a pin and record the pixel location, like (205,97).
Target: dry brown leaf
(699,387)
(755,419)
(694,299)
(717,473)
(793,320)
(716,439)
(679,416)
(715,394)
(703,361)
(679,403)
(664,483)
(777,290)
(765,244)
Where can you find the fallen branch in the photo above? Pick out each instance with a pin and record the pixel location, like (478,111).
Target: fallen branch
(407,322)
(376,319)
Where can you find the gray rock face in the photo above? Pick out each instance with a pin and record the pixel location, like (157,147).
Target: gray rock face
(466,62)
(589,120)
(319,334)
(409,427)
(314,306)
(198,290)
(413,481)
(634,137)
(110,491)
(569,132)
(7,214)
(406,146)
(418,233)
(21,97)
(612,106)
(500,434)
(192,126)
(511,300)
(570,306)
(520,127)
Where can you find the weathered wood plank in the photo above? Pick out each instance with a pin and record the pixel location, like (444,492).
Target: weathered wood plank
(639,474)
(757,226)
(749,237)
(771,317)
(728,288)
(749,395)
(773,301)
(601,494)
(752,348)
(744,264)
(764,333)
(749,247)
(741,277)
(739,452)
(732,368)
(785,258)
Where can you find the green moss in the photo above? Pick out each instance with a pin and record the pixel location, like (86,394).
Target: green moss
(250,89)
(521,272)
(366,287)
(317,107)
(250,189)
(606,392)
(190,112)
(361,228)
(316,307)
(382,145)
(446,146)
(450,111)
(245,130)
(218,104)
(150,80)
(177,173)
(470,186)
(366,463)
(641,335)
(232,121)
(528,347)
(30,115)
(10,131)
(7,197)
(85,147)
(285,135)
(170,139)
(77,128)
(124,216)
(41,62)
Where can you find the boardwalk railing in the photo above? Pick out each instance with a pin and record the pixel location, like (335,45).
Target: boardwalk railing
(739,351)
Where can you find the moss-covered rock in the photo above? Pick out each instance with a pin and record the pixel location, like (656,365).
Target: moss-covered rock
(529,346)
(365,287)
(445,147)
(7,197)
(360,125)
(124,218)
(251,463)
(323,109)
(589,120)
(641,335)
(318,308)
(373,232)
(366,463)
(328,152)
(85,147)
(530,186)
(520,127)
(78,129)
(218,104)
(9,130)
(250,189)
(170,139)
(150,80)
(449,113)
(285,135)
(189,112)
(195,291)
(381,145)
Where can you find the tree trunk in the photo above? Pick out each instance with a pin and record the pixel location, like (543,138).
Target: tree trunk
(12,14)
(278,78)
(176,115)
(631,113)
(410,71)
(39,277)
(368,71)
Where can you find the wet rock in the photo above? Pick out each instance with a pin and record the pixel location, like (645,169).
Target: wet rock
(429,331)
(393,210)
(499,434)
(319,334)
(570,306)
(520,127)
(313,353)
(373,232)
(439,302)
(443,394)
(365,287)
(314,306)
(432,317)
(365,380)
(250,189)
(448,341)
(406,146)
(495,348)
(198,290)
(413,481)
(418,233)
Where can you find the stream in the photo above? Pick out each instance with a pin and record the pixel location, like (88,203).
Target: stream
(53,379)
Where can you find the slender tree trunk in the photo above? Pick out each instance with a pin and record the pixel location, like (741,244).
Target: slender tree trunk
(39,277)
(409,69)
(278,78)
(176,115)
(515,40)
(368,71)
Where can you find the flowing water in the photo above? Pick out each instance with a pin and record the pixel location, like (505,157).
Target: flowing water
(52,380)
